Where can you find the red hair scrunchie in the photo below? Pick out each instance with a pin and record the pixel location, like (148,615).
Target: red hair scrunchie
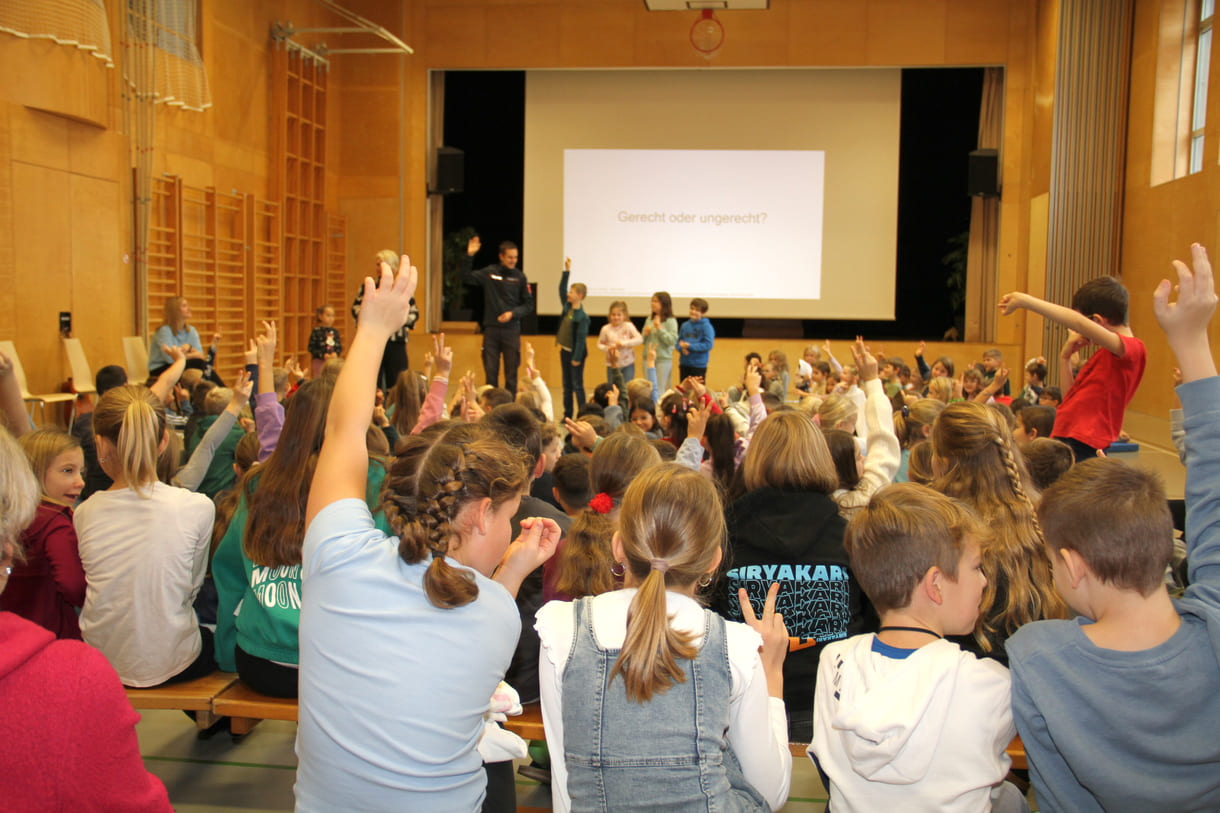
(601,503)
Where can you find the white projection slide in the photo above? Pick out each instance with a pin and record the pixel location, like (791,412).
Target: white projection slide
(743,224)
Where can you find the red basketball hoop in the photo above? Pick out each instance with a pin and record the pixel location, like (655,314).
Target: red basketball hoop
(707,34)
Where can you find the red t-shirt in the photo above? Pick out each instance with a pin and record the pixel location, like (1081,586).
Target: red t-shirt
(1092,410)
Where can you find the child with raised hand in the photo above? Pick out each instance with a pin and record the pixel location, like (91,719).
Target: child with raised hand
(49,585)
(1118,707)
(1091,415)
(882,454)
(571,338)
(697,712)
(619,335)
(904,719)
(433,602)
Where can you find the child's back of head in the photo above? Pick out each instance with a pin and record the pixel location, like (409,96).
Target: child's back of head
(1047,460)
(1116,517)
(1105,297)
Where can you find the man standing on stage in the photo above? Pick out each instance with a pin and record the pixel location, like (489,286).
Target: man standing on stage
(506,300)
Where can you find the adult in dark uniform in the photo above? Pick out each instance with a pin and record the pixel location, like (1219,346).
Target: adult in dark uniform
(506,300)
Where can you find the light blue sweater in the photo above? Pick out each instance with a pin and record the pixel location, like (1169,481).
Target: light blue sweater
(1117,731)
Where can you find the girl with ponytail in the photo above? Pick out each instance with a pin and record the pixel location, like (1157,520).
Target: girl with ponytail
(144,546)
(404,637)
(975,462)
(645,677)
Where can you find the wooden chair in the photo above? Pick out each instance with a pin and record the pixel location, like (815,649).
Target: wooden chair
(190,695)
(82,374)
(41,401)
(135,351)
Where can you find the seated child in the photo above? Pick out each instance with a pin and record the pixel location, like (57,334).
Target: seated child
(1034,422)
(1035,379)
(572,488)
(993,360)
(1091,415)
(1117,708)
(1051,397)
(903,719)
(1047,460)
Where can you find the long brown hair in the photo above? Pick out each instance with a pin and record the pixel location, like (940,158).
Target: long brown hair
(973,447)
(275,521)
(407,398)
(673,514)
(584,561)
(428,485)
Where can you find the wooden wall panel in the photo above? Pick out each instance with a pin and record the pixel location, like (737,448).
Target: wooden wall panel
(902,33)
(44,284)
(833,32)
(100,283)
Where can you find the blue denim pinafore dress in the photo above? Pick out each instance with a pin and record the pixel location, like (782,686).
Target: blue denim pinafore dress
(669,754)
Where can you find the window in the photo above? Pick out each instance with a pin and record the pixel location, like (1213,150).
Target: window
(1203,52)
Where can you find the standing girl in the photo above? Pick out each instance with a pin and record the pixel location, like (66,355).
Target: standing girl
(661,332)
(434,601)
(49,586)
(652,697)
(144,546)
(324,340)
(620,335)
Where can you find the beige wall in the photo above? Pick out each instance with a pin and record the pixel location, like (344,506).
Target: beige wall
(65,188)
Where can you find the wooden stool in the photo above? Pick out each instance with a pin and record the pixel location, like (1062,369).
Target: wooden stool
(190,695)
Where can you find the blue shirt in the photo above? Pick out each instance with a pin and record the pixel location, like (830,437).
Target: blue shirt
(392,689)
(1113,730)
(166,335)
(700,336)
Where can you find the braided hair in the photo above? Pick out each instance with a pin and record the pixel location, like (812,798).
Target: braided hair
(435,477)
(982,470)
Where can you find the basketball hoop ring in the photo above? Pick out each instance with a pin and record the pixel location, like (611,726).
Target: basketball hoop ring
(707,34)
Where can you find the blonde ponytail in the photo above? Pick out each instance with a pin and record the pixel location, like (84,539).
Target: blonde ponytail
(671,526)
(133,419)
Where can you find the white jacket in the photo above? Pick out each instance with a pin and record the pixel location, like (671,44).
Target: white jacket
(922,733)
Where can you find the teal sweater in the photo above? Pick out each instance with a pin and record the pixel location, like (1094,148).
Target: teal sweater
(260,607)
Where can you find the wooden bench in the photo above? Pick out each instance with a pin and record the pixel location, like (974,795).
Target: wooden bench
(246,708)
(1016,752)
(190,695)
(528,724)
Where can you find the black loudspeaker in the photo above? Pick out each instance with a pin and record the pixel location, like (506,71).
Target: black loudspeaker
(450,175)
(984,173)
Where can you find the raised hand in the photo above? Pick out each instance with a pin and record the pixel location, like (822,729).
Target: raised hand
(443,354)
(866,364)
(1185,321)
(241,391)
(753,380)
(612,395)
(387,304)
(583,435)
(919,350)
(251,353)
(266,342)
(567,263)
(696,420)
(473,246)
